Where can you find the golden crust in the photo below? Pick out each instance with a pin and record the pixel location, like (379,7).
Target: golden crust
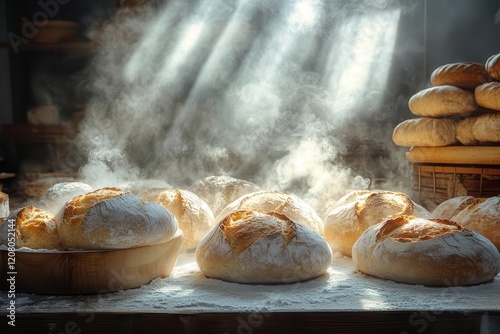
(36,229)
(493,66)
(488,95)
(467,75)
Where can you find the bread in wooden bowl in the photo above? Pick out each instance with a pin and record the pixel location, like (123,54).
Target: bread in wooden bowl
(466,75)
(31,227)
(435,252)
(192,213)
(360,209)
(482,216)
(250,246)
(288,204)
(109,218)
(219,191)
(55,197)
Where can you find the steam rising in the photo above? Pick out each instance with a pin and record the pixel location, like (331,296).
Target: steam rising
(275,92)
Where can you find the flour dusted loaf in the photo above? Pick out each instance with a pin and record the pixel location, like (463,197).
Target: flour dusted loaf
(452,206)
(479,129)
(4,205)
(493,66)
(192,213)
(434,252)
(483,216)
(288,204)
(425,131)
(359,210)
(34,228)
(54,198)
(250,246)
(442,101)
(488,95)
(466,75)
(109,218)
(219,191)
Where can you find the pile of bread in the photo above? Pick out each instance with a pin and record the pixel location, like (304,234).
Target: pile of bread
(244,234)
(462,107)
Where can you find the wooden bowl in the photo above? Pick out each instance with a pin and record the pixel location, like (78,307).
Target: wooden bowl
(56,31)
(84,272)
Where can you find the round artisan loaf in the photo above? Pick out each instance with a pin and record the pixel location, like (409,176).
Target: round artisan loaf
(192,213)
(452,206)
(219,191)
(442,101)
(361,209)
(288,204)
(54,198)
(434,252)
(250,246)
(482,217)
(493,66)
(425,131)
(488,95)
(466,75)
(479,129)
(34,228)
(110,218)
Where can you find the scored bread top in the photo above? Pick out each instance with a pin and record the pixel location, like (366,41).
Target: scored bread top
(467,75)
(493,66)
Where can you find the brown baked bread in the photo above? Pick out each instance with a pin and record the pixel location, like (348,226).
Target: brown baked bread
(466,75)
(219,191)
(109,218)
(479,129)
(442,101)
(288,204)
(4,205)
(250,246)
(34,228)
(493,66)
(482,217)
(192,213)
(345,223)
(425,131)
(452,206)
(488,95)
(434,252)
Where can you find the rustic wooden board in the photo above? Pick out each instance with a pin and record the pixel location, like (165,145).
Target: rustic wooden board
(82,272)
(480,155)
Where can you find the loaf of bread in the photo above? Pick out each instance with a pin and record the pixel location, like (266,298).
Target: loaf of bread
(34,228)
(479,129)
(250,246)
(466,75)
(442,101)
(346,222)
(488,95)
(219,191)
(192,213)
(54,198)
(493,66)
(433,252)
(288,204)
(452,206)
(4,205)
(109,218)
(425,131)
(483,216)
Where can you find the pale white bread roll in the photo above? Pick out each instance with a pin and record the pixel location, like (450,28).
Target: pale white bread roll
(482,217)
(251,246)
(452,206)
(4,205)
(288,204)
(442,101)
(54,198)
(488,95)
(425,131)
(492,66)
(109,218)
(34,228)
(192,213)
(219,191)
(435,252)
(345,223)
(479,129)
(466,75)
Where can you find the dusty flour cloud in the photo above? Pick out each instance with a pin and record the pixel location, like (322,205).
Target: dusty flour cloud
(185,90)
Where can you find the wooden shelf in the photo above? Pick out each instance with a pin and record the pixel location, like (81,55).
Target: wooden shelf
(63,46)
(28,133)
